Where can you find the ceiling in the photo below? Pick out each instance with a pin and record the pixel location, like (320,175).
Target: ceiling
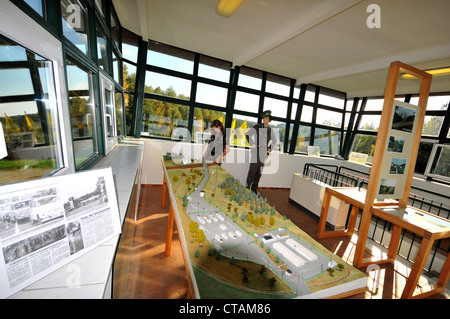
(324,42)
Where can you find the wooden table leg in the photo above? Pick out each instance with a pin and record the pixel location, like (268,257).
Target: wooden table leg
(395,241)
(445,273)
(324,213)
(362,238)
(164,193)
(169,235)
(416,271)
(352,221)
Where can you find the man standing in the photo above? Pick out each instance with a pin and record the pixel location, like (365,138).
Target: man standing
(260,139)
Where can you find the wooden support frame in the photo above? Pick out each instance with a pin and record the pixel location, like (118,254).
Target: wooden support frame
(382,137)
(370,206)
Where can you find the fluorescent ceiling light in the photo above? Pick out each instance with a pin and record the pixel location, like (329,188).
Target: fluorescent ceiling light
(434,72)
(226,8)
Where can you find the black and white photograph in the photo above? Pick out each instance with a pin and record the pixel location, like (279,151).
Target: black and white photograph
(403,119)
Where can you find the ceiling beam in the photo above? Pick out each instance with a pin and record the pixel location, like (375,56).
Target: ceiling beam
(142,15)
(308,18)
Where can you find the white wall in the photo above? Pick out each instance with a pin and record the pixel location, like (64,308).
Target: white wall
(277,173)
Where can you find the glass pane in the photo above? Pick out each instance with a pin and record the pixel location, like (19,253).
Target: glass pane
(434,103)
(250,78)
(114,29)
(246,102)
(441,162)
(422,157)
(109,113)
(328,141)
(279,129)
(364,144)
(432,125)
(307,112)
(119,113)
(170,58)
(369,123)
(128,102)
(9,78)
(329,118)
(116,62)
(278,107)
(28,115)
(374,105)
(130,52)
(240,124)
(278,85)
(162,84)
(294,110)
(210,94)
(37,6)
(331,101)
(214,69)
(102,52)
(202,122)
(75,23)
(129,76)
(303,138)
(82,113)
(310,93)
(161,119)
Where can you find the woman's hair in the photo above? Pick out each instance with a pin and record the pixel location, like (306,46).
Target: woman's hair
(217,123)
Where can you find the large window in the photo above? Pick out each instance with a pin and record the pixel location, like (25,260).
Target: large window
(202,122)
(102,50)
(162,84)
(329,141)
(28,114)
(76,23)
(161,119)
(82,112)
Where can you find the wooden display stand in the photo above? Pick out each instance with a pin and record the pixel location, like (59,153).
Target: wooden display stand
(400,215)
(380,147)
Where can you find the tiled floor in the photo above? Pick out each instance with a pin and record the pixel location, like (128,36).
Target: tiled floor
(142,271)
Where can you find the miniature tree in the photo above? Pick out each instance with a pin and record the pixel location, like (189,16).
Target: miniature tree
(232,261)
(200,236)
(272,281)
(340,267)
(262,221)
(262,269)
(330,271)
(197,253)
(210,252)
(272,221)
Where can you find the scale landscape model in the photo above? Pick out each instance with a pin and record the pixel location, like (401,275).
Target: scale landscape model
(241,247)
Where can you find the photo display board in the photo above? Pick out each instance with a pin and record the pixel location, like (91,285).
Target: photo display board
(397,156)
(47,223)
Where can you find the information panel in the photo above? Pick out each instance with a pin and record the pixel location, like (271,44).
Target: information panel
(47,223)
